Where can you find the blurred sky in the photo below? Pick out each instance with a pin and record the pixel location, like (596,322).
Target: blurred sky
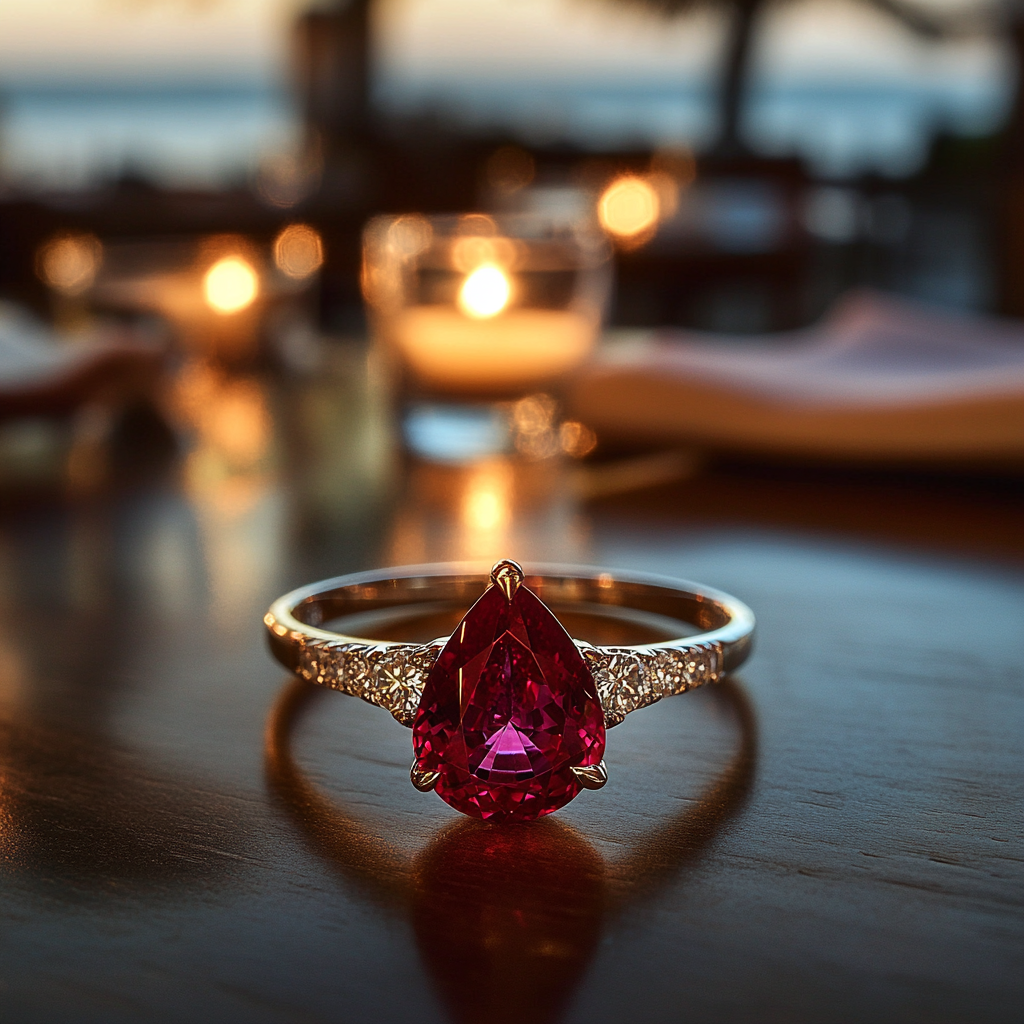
(217,39)
(834,79)
(112,39)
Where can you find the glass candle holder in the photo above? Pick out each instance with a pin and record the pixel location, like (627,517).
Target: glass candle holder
(476,313)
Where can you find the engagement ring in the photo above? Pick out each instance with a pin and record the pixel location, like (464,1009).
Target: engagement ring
(509,712)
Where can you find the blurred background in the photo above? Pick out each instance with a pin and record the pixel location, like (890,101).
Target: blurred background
(728,290)
(184,186)
(840,142)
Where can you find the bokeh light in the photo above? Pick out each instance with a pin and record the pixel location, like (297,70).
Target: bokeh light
(231,285)
(284,180)
(410,235)
(628,207)
(510,169)
(477,225)
(69,263)
(533,419)
(576,439)
(485,292)
(298,251)
(473,251)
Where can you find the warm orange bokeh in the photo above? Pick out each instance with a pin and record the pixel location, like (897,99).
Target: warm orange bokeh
(629,207)
(69,263)
(298,251)
(231,285)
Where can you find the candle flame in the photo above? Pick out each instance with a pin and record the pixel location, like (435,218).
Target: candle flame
(230,285)
(485,292)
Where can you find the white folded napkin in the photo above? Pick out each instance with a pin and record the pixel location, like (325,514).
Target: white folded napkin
(879,378)
(30,353)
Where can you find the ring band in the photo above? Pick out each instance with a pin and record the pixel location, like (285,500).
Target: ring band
(585,687)
(391,674)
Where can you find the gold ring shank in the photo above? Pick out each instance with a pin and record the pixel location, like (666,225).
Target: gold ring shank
(391,674)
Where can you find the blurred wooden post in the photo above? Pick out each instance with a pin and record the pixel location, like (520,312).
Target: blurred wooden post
(333,72)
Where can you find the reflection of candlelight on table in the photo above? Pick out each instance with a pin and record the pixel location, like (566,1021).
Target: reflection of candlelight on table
(229,476)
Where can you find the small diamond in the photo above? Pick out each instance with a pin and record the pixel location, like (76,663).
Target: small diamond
(351,671)
(399,671)
(620,681)
(668,675)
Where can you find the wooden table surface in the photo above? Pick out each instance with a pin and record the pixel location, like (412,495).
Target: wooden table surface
(835,837)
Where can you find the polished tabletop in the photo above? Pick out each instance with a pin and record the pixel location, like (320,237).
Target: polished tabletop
(186,834)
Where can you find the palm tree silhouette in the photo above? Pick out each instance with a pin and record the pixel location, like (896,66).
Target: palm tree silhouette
(337,48)
(745,18)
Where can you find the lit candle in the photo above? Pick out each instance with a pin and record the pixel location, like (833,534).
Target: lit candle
(470,310)
(520,348)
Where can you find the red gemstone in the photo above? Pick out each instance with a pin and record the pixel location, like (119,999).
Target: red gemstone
(509,708)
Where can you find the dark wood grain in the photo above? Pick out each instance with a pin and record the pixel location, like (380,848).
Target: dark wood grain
(837,838)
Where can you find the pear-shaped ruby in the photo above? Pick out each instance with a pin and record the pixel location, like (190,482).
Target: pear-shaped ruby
(508,710)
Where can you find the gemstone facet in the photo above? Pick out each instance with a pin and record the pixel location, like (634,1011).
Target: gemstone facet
(508,710)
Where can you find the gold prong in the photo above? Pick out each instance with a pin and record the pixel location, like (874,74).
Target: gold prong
(508,575)
(593,776)
(422,779)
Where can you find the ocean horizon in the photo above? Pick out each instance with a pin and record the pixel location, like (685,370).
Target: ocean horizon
(59,135)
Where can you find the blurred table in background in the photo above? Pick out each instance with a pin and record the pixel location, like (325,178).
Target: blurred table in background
(838,839)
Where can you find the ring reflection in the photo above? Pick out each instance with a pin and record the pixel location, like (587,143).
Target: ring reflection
(507,918)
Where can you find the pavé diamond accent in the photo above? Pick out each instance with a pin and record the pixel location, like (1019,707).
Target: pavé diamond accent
(392,675)
(631,678)
(619,675)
